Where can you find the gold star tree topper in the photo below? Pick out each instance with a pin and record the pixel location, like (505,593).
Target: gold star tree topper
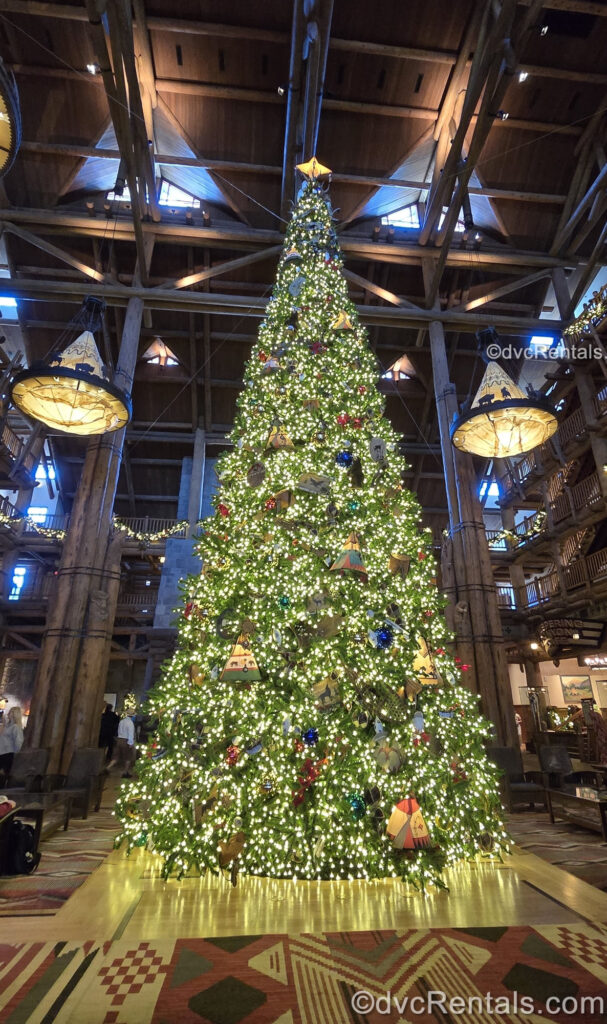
(313,169)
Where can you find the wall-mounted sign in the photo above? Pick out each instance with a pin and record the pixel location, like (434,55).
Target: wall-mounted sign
(593,660)
(563,634)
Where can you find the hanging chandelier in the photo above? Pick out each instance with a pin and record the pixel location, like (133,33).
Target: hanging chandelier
(10,119)
(70,391)
(503,420)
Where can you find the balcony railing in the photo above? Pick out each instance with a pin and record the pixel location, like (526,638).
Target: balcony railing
(585,572)
(583,496)
(60,522)
(146,525)
(15,447)
(572,430)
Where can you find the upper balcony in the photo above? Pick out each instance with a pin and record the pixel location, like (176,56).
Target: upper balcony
(570,439)
(141,534)
(575,506)
(17,463)
(576,584)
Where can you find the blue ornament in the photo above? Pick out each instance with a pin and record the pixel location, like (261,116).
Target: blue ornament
(284,601)
(357,805)
(310,737)
(354,506)
(384,638)
(344,459)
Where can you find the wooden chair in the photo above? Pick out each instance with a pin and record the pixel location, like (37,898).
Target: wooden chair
(84,780)
(26,775)
(517,786)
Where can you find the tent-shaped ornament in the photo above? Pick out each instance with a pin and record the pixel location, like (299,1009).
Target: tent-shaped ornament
(241,666)
(278,437)
(350,559)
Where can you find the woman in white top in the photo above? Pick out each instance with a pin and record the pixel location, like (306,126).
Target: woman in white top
(11,738)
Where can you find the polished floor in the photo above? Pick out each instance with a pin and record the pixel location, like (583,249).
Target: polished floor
(126,898)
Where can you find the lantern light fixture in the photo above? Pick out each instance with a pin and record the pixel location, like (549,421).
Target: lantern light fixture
(10,119)
(503,421)
(70,391)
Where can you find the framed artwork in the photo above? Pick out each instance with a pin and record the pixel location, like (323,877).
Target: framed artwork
(576,689)
(523,695)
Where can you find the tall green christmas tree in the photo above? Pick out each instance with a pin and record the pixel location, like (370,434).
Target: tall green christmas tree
(310,724)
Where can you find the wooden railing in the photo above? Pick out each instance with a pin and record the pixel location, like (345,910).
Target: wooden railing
(585,572)
(505,596)
(60,522)
(15,447)
(584,495)
(573,428)
(8,509)
(145,601)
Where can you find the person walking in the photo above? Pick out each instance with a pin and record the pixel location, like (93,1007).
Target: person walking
(11,738)
(108,729)
(125,747)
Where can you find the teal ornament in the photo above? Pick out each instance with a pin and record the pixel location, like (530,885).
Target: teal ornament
(354,506)
(284,601)
(357,806)
(142,839)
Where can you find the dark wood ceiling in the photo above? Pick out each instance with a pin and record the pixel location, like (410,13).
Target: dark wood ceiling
(217,76)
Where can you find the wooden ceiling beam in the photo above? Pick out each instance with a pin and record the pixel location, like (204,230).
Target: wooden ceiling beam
(493,292)
(289,158)
(255,306)
(222,268)
(53,250)
(238,236)
(564,233)
(375,289)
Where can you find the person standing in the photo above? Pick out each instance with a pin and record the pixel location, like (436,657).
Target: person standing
(108,729)
(125,747)
(11,738)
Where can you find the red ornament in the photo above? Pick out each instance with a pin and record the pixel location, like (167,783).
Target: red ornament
(428,613)
(362,389)
(422,556)
(343,419)
(262,357)
(187,611)
(298,746)
(458,661)
(270,504)
(307,777)
(232,754)
(465,668)
(422,736)
(357,422)
(440,650)
(223,510)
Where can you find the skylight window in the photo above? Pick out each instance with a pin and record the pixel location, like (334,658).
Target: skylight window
(172,195)
(115,197)
(18,581)
(542,344)
(408,217)
(8,307)
(37,513)
(159,354)
(490,489)
(45,471)
(459,226)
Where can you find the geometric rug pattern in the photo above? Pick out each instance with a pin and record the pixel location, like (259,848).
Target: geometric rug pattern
(505,975)
(67,859)
(577,850)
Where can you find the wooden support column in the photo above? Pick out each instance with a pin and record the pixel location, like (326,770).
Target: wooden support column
(598,444)
(471,588)
(69,679)
(196,480)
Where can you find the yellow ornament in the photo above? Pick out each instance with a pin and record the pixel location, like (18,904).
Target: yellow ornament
(342,322)
(278,437)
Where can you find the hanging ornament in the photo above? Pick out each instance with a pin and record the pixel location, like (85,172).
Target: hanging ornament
(329,626)
(314,483)
(343,419)
(308,776)
(342,322)
(316,347)
(284,499)
(270,505)
(362,389)
(317,601)
(326,693)
(399,564)
(377,448)
(284,601)
(256,474)
(292,320)
(503,421)
(310,737)
(356,473)
(230,851)
(278,437)
(384,638)
(232,754)
(311,404)
(423,665)
(241,665)
(296,285)
(267,786)
(223,510)
(344,459)
(271,365)
(357,422)
(197,676)
(357,806)
(292,256)
(406,826)
(350,559)
(389,756)
(418,721)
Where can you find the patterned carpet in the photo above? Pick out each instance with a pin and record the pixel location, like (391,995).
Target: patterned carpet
(67,859)
(577,850)
(312,979)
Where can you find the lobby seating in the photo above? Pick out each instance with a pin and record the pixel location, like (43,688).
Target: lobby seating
(517,785)
(84,780)
(558,771)
(26,775)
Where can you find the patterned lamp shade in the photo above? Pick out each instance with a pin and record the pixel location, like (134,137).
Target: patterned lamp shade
(71,393)
(10,120)
(502,420)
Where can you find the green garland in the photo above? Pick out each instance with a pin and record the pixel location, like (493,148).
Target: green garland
(592,314)
(118,524)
